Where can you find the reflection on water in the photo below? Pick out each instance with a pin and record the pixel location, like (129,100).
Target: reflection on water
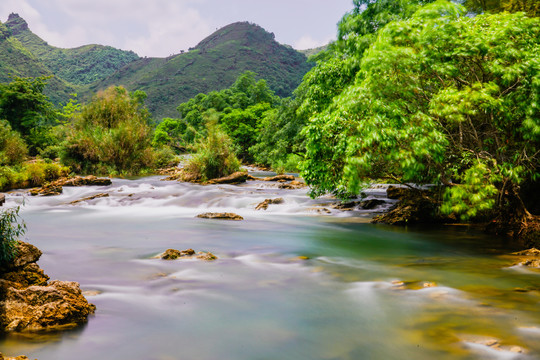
(289,283)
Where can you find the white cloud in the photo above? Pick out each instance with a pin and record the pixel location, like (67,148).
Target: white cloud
(150,28)
(307,42)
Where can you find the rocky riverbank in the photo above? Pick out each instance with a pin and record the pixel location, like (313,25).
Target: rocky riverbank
(32,303)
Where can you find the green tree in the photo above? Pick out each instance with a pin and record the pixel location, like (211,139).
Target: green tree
(442,97)
(111,134)
(13,149)
(28,109)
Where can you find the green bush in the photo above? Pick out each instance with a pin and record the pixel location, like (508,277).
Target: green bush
(215,157)
(13,149)
(11,228)
(30,174)
(111,135)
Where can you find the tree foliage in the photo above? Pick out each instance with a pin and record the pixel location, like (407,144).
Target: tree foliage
(239,111)
(111,134)
(440,97)
(28,110)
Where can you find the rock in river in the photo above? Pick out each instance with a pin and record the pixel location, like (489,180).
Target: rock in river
(173,254)
(2,199)
(235,178)
(264,205)
(30,303)
(220,216)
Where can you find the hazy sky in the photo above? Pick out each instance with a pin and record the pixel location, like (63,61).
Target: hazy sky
(164,27)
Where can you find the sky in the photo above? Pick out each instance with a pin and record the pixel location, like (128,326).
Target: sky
(159,28)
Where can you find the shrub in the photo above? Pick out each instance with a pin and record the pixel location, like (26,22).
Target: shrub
(29,174)
(11,228)
(111,135)
(215,157)
(13,149)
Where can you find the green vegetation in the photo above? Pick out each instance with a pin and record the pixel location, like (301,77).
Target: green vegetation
(239,110)
(11,229)
(82,65)
(13,149)
(214,157)
(28,110)
(213,65)
(441,98)
(30,174)
(110,135)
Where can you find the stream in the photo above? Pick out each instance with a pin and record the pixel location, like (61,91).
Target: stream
(299,280)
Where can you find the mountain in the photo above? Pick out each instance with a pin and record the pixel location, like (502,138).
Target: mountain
(82,65)
(212,65)
(16,60)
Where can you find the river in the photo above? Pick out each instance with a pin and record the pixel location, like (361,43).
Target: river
(296,281)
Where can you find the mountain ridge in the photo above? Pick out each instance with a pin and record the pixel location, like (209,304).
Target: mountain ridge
(212,65)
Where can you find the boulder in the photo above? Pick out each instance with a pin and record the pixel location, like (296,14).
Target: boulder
(25,276)
(173,254)
(29,303)
(55,187)
(47,190)
(2,199)
(97,196)
(20,357)
(264,205)
(60,305)
(279,177)
(292,185)
(221,216)
(371,204)
(206,256)
(235,178)
(26,254)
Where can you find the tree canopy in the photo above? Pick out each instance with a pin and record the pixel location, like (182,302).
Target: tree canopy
(440,97)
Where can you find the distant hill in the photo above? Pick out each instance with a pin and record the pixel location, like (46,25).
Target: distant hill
(213,64)
(313,51)
(16,60)
(82,65)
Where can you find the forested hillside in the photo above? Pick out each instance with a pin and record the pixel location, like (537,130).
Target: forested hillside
(214,64)
(82,65)
(17,60)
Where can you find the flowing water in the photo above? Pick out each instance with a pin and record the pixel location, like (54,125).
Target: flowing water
(297,281)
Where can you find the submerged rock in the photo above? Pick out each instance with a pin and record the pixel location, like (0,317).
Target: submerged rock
(221,216)
(30,303)
(89,180)
(173,254)
(235,178)
(97,196)
(264,205)
(529,258)
(279,178)
(56,187)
